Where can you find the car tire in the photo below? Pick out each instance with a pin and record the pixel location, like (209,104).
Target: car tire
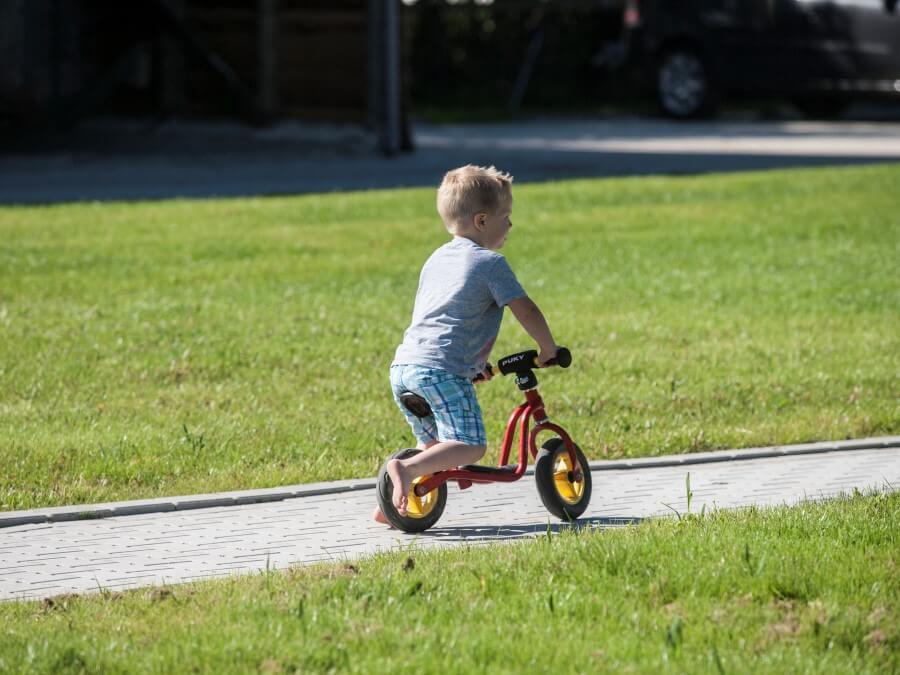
(683,86)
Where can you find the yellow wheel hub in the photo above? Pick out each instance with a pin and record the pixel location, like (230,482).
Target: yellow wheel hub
(419,507)
(569,491)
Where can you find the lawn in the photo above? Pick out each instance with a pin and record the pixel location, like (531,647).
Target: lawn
(174,347)
(811,589)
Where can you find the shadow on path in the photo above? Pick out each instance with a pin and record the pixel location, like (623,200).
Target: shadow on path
(198,162)
(487,533)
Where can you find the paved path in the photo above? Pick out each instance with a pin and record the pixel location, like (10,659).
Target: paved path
(202,160)
(331,522)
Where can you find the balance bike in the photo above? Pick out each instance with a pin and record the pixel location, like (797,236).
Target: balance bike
(561,469)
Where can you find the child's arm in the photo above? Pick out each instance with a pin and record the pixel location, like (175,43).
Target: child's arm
(534,323)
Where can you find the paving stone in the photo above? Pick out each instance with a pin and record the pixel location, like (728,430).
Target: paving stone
(171,546)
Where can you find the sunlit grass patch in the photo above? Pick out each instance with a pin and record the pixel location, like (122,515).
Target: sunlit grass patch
(196,346)
(815,588)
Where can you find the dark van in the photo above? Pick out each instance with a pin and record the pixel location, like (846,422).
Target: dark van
(818,54)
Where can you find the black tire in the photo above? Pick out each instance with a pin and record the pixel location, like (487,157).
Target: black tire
(683,85)
(564,498)
(431,507)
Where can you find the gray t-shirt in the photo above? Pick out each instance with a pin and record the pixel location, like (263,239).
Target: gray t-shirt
(463,289)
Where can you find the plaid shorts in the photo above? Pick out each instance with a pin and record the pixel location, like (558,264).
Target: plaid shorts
(456,415)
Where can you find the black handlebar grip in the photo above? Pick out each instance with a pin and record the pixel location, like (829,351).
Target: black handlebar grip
(563,358)
(524,361)
(518,362)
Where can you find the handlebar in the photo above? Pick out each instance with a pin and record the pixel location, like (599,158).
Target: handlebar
(524,361)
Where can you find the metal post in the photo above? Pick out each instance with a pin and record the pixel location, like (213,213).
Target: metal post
(391,142)
(173,69)
(385,107)
(268,75)
(373,66)
(56,65)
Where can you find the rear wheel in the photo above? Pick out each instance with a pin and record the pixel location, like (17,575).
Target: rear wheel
(683,85)
(564,495)
(421,512)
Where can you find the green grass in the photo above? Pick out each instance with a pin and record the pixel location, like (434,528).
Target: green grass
(812,589)
(194,346)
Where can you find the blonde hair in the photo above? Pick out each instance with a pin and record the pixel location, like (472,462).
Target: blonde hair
(469,190)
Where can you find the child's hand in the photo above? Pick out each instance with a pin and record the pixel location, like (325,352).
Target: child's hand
(546,355)
(486,374)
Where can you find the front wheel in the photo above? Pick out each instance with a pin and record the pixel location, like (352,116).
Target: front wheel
(563,495)
(421,512)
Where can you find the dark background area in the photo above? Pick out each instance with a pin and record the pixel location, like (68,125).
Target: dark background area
(69,59)
(510,56)
(199,98)
(264,60)
(260,62)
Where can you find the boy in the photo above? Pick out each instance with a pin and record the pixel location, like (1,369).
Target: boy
(463,288)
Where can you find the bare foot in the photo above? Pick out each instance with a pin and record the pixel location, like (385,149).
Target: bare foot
(378,517)
(401,481)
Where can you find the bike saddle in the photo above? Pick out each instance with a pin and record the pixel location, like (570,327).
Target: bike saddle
(417,405)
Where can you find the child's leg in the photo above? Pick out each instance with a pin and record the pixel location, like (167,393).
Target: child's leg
(424,429)
(438,457)
(456,418)
(377,515)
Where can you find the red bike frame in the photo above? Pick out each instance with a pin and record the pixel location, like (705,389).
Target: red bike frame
(532,408)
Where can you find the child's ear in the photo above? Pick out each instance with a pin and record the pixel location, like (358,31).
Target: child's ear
(479,221)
